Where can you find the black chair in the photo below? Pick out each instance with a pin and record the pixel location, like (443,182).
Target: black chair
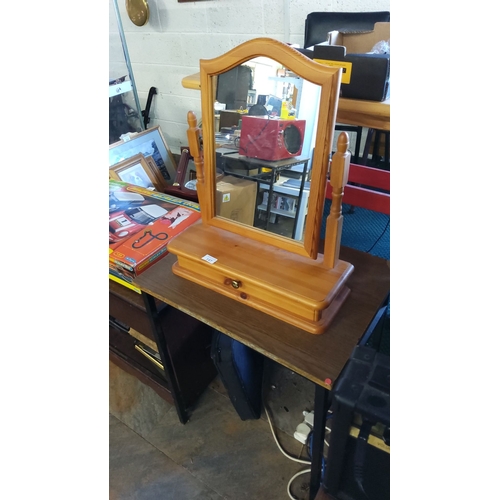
(374,136)
(356,129)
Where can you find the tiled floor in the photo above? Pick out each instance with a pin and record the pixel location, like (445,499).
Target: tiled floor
(215,455)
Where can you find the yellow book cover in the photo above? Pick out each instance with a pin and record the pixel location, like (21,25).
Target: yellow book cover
(124,283)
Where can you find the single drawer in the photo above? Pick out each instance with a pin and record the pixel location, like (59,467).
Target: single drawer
(131,315)
(248,290)
(124,344)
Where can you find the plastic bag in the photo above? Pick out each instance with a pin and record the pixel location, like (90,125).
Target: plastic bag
(382,47)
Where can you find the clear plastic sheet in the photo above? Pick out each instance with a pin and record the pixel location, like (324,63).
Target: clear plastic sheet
(382,47)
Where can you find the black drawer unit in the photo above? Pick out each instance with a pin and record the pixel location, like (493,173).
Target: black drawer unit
(180,368)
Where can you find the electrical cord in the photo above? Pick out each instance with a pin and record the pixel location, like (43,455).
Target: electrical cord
(381,234)
(309,442)
(327,429)
(300,461)
(295,476)
(287,455)
(359,454)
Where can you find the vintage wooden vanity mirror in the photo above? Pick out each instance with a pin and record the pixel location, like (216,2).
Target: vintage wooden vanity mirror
(280,275)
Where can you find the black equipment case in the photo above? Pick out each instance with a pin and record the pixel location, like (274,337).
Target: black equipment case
(240,369)
(358,466)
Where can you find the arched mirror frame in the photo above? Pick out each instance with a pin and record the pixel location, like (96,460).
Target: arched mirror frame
(328,78)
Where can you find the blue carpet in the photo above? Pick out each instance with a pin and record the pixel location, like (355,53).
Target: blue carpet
(363,230)
(367,231)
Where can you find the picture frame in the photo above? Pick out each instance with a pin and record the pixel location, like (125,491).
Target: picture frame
(139,170)
(149,143)
(179,187)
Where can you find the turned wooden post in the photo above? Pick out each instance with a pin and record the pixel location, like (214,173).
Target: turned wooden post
(339,171)
(193,136)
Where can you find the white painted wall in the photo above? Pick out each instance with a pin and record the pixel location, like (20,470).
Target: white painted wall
(178,35)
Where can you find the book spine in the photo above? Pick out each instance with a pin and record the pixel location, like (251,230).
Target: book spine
(124,283)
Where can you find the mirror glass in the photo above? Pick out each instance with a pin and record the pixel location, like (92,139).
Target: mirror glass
(267,130)
(265,122)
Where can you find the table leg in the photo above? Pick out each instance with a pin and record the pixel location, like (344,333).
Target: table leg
(269,200)
(161,342)
(299,201)
(320,409)
(340,424)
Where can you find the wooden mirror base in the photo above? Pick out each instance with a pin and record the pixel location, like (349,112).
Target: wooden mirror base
(290,287)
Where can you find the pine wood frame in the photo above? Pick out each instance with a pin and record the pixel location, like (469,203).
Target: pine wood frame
(328,78)
(282,277)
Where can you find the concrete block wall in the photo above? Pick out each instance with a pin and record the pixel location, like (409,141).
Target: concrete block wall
(178,35)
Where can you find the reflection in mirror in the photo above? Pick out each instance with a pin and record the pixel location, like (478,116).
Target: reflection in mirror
(265,128)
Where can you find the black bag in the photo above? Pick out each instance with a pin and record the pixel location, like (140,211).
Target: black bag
(240,369)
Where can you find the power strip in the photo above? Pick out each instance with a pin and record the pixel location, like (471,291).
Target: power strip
(304,428)
(309,418)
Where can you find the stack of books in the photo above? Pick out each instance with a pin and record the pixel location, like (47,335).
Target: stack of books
(141,224)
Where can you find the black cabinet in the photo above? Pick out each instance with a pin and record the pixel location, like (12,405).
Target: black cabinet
(163,347)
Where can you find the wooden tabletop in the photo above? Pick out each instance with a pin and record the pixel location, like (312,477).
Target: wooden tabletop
(319,358)
(371,114)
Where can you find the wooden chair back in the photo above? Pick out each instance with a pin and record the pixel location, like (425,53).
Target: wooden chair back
(366,187)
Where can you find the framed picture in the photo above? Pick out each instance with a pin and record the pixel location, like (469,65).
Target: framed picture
(139,171)
(180,188)
(149,143)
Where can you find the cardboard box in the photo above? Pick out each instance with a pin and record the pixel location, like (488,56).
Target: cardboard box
(141,224)
(236,199)
(366,76)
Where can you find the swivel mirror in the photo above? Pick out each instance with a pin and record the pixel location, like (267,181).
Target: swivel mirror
(268,117)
